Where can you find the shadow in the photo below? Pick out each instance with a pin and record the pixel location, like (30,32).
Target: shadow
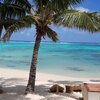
(81,99)
(43,90)
(66,82)
(12,89)
(95,80)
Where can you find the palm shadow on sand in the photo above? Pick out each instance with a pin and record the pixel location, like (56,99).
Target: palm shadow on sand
(12,89)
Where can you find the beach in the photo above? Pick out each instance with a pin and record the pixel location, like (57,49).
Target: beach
(14,81)
(62,64)
(40,61)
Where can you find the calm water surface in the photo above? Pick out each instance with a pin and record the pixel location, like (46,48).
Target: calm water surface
(76,60)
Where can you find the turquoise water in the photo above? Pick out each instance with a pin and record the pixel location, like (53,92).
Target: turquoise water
(75,60)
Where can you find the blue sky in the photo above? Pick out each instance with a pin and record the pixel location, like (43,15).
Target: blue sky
(65,34)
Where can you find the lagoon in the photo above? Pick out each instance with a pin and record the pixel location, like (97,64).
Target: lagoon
(67,59)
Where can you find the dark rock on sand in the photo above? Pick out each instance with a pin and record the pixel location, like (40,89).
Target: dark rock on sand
(73,88)
(56,88)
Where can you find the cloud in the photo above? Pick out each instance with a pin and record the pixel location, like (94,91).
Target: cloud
(82,9)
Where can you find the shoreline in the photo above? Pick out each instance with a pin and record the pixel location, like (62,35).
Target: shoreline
(14,81)
(45,76)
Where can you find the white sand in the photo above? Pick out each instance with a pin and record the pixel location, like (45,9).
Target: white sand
(14,83)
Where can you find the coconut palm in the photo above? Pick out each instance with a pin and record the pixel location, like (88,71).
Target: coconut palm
(51,12)
(11,11)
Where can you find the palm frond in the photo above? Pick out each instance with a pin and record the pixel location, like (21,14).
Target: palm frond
(5,24)
(55,5)
(11,10)
(14,8)
(41,3)
(26,22)
(22,3)
(81,20)
(63,4)
(52,34)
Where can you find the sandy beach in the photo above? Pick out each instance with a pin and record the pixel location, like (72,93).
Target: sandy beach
(59,40)
(14,82)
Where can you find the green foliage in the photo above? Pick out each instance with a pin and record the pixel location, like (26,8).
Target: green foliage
(19,14)
(44,13)
(12,10)
(56,5)
(52,34)
(27,21)
(81,20)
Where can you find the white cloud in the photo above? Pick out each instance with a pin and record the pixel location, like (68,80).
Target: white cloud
(82,9)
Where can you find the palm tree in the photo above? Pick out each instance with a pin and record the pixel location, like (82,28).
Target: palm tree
(11,11)
(45,13)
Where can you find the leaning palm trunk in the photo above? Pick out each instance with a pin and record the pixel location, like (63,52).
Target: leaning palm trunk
(45,13)
(31,82)
(1,27)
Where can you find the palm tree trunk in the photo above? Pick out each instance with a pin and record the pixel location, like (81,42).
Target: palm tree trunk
(1,27)
(31,82)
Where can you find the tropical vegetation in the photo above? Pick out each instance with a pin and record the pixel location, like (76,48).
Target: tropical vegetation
(18,14)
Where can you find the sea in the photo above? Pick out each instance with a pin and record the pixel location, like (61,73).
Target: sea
(67,59)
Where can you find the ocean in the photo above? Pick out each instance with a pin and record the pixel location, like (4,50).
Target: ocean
(67,59)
